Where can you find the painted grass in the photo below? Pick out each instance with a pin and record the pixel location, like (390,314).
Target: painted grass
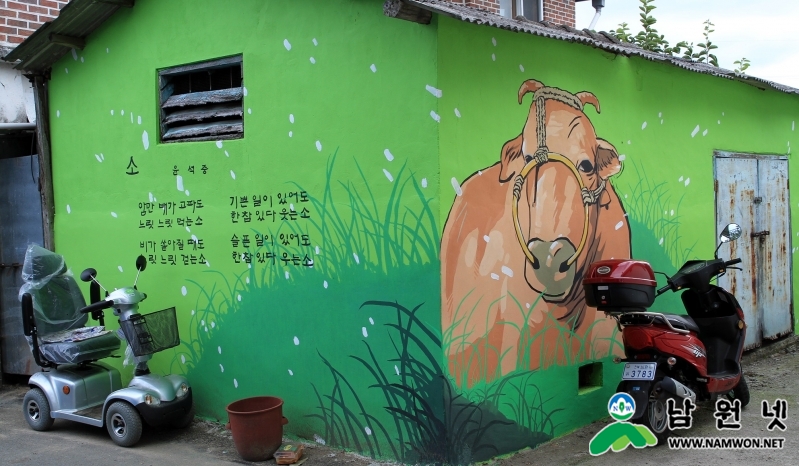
(651,205)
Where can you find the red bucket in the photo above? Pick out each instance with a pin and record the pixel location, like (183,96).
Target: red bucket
(257,426)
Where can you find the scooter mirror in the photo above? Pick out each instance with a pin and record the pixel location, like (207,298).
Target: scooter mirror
(141,263)
(730,233)
(88,275)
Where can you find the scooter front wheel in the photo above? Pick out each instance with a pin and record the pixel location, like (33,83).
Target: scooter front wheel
(123,423)
(37,410)
(740,392)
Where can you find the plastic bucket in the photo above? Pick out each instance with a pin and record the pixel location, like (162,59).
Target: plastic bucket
(257,426)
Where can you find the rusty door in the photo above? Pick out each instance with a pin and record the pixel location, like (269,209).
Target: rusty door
(753,192)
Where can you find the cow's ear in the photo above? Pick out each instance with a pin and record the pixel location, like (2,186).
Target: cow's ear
(511,160)
(607,159)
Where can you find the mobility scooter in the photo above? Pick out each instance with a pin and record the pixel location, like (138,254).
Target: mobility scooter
(695,356)
(73,384)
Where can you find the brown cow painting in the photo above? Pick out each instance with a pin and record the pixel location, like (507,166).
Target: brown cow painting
(519,238)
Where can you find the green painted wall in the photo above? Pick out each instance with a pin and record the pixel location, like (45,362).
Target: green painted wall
(342,115)
(366,114)
(665,123)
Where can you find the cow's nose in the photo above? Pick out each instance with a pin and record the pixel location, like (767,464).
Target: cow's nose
(553,255)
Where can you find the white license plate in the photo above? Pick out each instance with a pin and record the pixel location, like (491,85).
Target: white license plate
(639,371)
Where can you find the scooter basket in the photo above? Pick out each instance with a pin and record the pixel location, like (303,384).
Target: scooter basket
(151,333)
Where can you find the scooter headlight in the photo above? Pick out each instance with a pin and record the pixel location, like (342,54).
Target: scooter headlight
(183,390)
(151,400)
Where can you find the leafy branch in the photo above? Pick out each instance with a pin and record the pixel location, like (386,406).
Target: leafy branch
(649,39)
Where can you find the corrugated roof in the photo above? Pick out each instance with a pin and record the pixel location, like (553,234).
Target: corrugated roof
(79,18)
(600,40)
(53,40)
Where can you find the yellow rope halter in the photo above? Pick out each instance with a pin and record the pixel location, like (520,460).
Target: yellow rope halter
(542,155)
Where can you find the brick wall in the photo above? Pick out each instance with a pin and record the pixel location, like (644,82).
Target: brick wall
(555,11)
(19,18)
(559,12)
(491,6)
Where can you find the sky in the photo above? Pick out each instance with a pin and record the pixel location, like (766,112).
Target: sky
(762,31)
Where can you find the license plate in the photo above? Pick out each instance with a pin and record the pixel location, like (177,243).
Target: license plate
(639,371)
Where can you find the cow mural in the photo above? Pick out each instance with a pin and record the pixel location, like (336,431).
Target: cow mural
(518,239)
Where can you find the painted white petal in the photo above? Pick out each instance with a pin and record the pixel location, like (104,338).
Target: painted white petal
(180,182)
(114,214)
(643,126)
(687,181)
(486,238)
(287,44)
(232,174)
(696,130)
(183,290)
(396,369)
(373,68)
(219,144)
(145,139)
(435,116)
(457,113)
(238,297)
(388,175)
(521,68)
(507,271)
(433,90)
(296,341)
(183,358)
(120,268)
(389,155)
(424,182)
(235,383)
(291,372)
(69,209)
(365,333)
(319,146)
(287,274)
(371,321)
(619,225)
(495,276)
(456,186)
(222,368)
(313,60)
(367,430)
(219,349)
(357,259)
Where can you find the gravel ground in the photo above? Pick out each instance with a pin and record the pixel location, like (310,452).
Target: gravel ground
(770,376)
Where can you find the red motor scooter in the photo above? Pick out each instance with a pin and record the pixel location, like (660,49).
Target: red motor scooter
(695,356)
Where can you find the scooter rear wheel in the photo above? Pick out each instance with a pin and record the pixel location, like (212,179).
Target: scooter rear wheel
(123,423)
(656,418)
(37,410)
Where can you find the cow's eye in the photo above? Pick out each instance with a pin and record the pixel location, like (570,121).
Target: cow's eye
(586,166)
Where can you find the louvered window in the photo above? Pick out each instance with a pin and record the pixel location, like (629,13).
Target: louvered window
(202,101)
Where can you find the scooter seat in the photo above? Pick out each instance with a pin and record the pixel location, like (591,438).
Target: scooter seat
(75,352)
(682,322)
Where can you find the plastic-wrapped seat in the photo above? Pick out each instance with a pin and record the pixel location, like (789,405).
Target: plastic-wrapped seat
(53,304)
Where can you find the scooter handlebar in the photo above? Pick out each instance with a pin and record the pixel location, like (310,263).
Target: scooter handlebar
(664,289)
(98,306)
(732,262)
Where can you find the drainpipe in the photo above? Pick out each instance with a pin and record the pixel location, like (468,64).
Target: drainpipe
(17,126)
(598,5)
(42,124)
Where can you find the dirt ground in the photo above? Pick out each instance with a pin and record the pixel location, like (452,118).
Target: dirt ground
(206,443)
(772,377)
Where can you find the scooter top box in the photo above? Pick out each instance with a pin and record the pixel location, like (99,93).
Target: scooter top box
(619,285)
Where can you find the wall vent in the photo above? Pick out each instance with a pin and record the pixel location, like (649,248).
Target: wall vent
(202,101)
(590,377)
